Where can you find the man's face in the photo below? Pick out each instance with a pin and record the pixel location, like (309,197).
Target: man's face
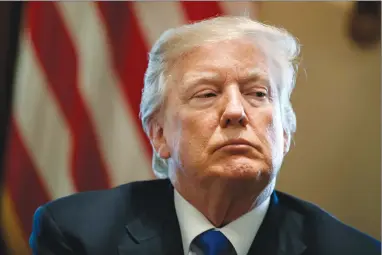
(221,116)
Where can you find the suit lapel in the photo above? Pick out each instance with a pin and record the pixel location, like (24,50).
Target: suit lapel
(153,228)
(281,232)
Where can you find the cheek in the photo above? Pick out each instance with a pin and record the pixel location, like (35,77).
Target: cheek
(268,127)
(189,139)
(262,120)
(197,128)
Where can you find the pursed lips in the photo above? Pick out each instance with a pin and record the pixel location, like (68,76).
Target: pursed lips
(236,142)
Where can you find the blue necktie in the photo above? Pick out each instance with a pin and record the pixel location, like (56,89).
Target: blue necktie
(213,242)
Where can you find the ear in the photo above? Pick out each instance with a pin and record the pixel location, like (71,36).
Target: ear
(158,140)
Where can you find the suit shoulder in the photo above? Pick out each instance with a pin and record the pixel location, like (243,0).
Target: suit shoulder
(91,222)
(327,233)
(100,204)
(84,201)
(308,209)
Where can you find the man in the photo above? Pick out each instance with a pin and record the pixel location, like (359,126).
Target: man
(216,107)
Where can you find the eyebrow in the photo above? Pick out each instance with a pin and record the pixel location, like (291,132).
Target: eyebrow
(193,78)
(255,74)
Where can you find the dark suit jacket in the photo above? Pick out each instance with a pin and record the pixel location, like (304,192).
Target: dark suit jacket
(139,218)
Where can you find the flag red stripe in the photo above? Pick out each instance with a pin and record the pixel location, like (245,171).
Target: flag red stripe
(129,54)
(25,187)
(196,10)
(57,56)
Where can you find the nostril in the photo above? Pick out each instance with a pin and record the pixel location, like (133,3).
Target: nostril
(243,120)
(227,121)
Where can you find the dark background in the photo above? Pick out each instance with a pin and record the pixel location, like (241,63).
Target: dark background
(10,13)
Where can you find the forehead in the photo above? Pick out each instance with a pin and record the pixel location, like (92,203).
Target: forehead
(227,59)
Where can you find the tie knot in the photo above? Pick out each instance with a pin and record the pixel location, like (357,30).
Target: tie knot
(214,242)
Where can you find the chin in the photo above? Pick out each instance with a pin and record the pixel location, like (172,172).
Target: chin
(242,168)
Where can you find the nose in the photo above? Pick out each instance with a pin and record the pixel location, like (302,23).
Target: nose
(233,113)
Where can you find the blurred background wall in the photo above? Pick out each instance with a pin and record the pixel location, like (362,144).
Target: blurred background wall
(84,63)
(336,160)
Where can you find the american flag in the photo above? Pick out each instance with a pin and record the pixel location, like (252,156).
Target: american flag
(77,89)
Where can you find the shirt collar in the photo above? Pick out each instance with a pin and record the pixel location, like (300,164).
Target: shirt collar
(241,232)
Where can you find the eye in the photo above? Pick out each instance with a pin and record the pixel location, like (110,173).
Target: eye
(260,94)
(206,95)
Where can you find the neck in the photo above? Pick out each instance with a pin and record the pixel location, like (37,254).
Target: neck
(223,201)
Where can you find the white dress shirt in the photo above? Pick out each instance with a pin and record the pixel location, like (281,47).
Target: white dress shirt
(240,232)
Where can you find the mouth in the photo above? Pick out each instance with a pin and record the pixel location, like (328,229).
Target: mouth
(236,144)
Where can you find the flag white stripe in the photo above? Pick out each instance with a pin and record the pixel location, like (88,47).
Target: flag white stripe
(156,17)
(41,123)
(120,141)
